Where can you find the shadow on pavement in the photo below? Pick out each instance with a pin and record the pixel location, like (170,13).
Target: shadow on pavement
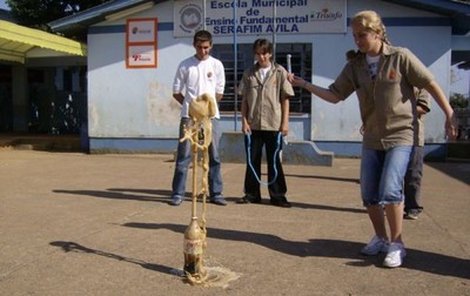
(163,196)
(456,170)
(161,192)
(416,259)
(74,247)
(115,193)
(339,179)
(301,205)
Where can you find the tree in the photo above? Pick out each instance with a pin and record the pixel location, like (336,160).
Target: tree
(37,13)
(458,101)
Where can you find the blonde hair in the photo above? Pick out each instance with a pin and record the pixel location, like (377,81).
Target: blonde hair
(371,21)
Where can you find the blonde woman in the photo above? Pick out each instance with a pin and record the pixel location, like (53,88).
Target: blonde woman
(383,77)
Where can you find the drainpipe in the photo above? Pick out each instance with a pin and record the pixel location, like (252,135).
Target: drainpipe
(204,15)
(235,66)
(274,30)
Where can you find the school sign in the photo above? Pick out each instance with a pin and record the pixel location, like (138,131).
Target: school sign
(257,17)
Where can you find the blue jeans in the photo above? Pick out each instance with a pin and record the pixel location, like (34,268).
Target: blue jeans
(183,159)
(382,175)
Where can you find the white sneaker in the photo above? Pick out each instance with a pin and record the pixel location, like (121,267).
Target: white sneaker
(395,255)
(375,246)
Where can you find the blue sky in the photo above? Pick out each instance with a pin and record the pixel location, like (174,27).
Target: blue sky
(3,5)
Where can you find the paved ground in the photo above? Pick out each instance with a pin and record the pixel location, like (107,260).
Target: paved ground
(76,224)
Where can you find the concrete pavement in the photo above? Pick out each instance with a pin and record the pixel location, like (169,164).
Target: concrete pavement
(78,224)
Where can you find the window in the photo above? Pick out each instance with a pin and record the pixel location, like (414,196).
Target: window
(301,66)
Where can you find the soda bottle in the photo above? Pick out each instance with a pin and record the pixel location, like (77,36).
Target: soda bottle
(193,248)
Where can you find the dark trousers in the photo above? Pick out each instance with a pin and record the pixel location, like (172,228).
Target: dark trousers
(268,139)
(413,176)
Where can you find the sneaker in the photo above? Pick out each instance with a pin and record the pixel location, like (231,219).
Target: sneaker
(412,214)
(219,200)
(375,246)
(176,200)
(395,255)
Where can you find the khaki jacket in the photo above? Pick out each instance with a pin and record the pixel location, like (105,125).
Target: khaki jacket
(264,97)
(387,103)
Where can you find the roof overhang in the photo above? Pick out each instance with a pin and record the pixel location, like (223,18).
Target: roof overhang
(17,41)
(457,11)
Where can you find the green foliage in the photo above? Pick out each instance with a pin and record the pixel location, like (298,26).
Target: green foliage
(458,101)
(37,13)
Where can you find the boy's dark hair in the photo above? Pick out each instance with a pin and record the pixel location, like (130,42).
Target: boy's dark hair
(202,36)
(262,44)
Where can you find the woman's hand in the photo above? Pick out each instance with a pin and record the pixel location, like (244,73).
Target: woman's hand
(323,93)
(451,127)
(295,80)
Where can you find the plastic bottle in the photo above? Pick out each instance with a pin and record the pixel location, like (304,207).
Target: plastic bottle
(193,248)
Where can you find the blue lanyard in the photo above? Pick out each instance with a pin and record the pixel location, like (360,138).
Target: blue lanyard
(276,153)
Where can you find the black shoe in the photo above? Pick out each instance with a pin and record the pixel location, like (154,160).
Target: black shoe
(281,203)
(412,214)
(247,199)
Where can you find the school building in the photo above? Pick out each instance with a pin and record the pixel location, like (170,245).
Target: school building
(135,46)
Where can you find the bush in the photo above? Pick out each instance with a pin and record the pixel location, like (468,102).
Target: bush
(458,101)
